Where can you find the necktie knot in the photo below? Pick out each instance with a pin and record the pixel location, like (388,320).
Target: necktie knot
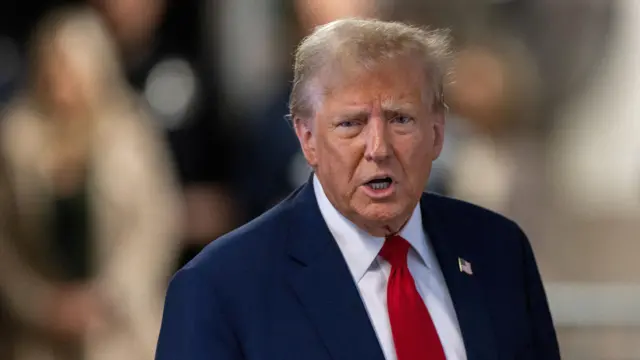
(395,250)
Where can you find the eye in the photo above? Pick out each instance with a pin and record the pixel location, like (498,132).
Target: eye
(347,123)
(348,127)
(402,119)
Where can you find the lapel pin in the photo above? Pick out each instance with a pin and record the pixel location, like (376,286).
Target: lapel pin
(465,266)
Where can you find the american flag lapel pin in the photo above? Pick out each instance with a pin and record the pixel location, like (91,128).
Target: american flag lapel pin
(465,266)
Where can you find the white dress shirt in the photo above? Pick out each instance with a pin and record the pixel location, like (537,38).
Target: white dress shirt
(371,272)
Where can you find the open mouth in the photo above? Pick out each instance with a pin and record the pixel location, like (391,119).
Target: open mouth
(379,183)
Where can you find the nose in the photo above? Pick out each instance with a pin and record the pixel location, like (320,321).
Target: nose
(377,148)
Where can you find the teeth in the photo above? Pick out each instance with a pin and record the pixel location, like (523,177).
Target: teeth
(380,186)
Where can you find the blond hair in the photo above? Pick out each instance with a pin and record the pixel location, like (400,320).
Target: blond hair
(366,43)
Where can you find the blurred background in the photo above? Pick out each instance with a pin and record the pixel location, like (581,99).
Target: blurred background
(133,132)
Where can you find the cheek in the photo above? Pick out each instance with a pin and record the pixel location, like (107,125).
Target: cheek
(339,160)
(342,155)
(425,144)
(415,155)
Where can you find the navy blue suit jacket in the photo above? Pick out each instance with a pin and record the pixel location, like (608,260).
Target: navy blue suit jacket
(278,288)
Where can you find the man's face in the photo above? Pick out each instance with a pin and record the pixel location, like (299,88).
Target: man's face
(372,142)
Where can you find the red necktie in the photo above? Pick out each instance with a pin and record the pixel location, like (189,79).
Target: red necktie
(414,334)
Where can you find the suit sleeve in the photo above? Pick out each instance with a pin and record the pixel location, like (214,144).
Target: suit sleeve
(194,325)
(545,343)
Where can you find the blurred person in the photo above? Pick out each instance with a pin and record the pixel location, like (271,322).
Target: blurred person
(359,263)
(492,98)
(159,42)
(91,215)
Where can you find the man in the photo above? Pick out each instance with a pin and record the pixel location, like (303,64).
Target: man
(359,263)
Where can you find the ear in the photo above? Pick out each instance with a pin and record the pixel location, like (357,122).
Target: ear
(306,136)
(438,133)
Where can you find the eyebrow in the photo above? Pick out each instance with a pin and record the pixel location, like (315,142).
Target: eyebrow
(392,109)
(392,106)
(387,111)
(354,114)
(390,114)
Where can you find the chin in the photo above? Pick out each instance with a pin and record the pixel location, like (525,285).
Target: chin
(382,213)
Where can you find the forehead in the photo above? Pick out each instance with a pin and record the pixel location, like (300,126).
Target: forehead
(389,85)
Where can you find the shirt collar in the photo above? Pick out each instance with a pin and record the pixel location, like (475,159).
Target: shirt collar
(414,233)
(358,247)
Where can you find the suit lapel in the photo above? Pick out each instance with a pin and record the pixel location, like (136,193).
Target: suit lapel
(465,290)
(323,284)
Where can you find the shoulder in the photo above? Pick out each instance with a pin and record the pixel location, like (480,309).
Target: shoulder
(450,209)
(236,268)
(476,227)
(129,138)
(490,240)
(247,249)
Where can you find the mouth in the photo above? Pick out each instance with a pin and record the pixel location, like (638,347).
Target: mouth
(379,187)
(380,183)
